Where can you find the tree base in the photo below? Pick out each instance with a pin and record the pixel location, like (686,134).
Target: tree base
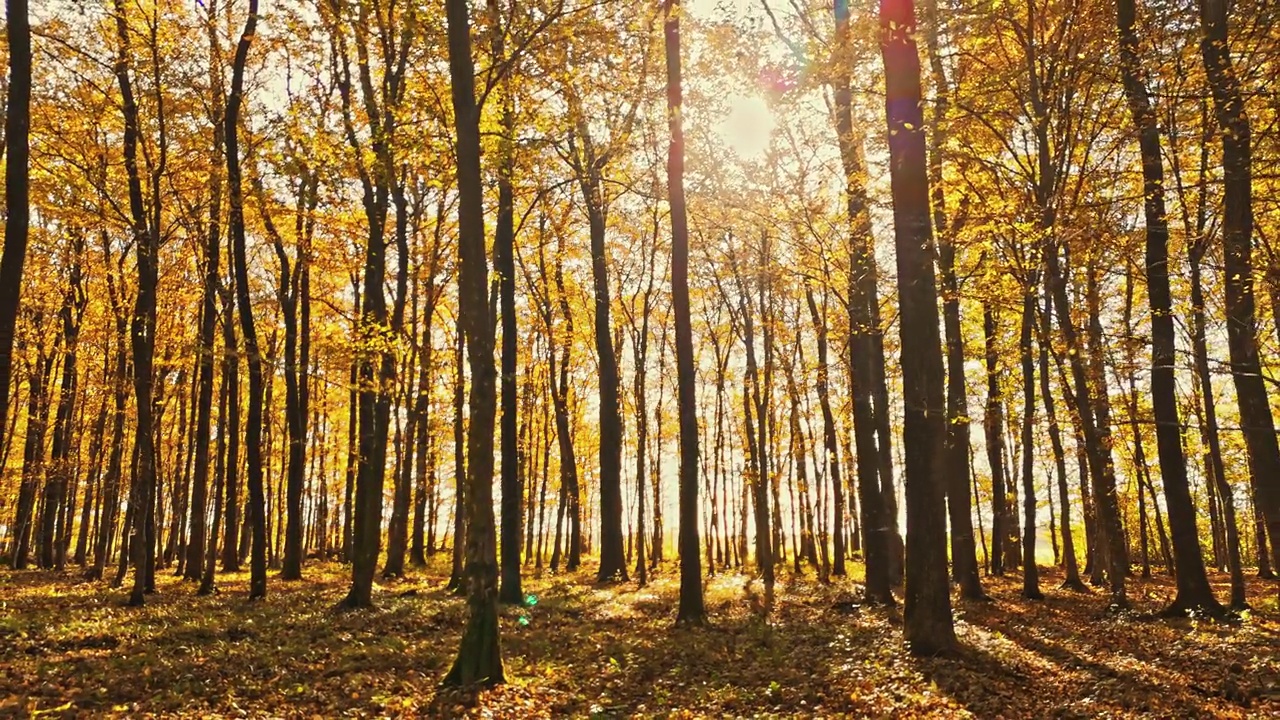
(692,620)
(933,647)
(1200,608)
(354,601)
(1074,585)
(479,661)
(881,599)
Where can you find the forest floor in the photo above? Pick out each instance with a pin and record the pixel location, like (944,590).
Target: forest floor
(71,648)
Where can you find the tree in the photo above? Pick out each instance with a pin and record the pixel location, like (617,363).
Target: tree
(1194,593)
(142,327)
(17,129)
(1237,247)
(253,429)
(479,660)
(692,611)
(964,557)
(927,608)
(504,266)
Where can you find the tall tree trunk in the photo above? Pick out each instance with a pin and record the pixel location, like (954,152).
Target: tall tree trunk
(1096,436)
(692,610)
(93,483)
(964,556)
(61,469)
(142,329)
(830,442)
(457,579)
(1237,241)
(253,429)
(295,303)
(1030,569)
(209,561)
(32,455)
(1071,565)
(17,148)
(927,624)
(353,440)
(993,426)
(877,538)
(505,268)
(479,660)
(1194,593)
(613,564)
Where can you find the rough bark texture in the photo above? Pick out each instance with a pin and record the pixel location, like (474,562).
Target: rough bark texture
(17,129)
(927,624)
(479,660)
(1194,592)
(692,610)
(1237,244)
(254,421)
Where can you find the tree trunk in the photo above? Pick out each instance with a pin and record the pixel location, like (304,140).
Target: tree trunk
(993,426)
(505,268)
(253,429)
(142,329)
(1237,241)
(927,623)
(479,660)
(1030,569)
(691,610)
(964,557)
(1194,593)
(17,148)
(1096,441)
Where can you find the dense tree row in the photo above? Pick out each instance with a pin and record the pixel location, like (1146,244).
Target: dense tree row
(247,312)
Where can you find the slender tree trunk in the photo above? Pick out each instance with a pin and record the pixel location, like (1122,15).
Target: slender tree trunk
(1194,592)
(253,429)
(964,557)
(1237,240)
(142,329)
(1071,566)
(353,447)
(927,624)
(32,456)
(457,580)
(479,660)
(209,561)
(61,470)
(505,268)
(1096,437)
(17,129)
(612,561)
(830,443)
(1030,569)
(993,424)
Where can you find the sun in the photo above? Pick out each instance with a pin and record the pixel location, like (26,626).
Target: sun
(747,127)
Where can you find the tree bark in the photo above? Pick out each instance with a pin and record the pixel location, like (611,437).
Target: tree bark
(691,610)
(1237,244)
(17,148)
(479,660)
(927,626)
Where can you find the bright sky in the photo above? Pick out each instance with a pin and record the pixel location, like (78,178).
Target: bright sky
(747,127)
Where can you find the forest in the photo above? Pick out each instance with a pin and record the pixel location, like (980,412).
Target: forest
(682,358)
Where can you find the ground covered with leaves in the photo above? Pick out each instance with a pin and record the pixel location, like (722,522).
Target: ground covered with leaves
(71,648)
